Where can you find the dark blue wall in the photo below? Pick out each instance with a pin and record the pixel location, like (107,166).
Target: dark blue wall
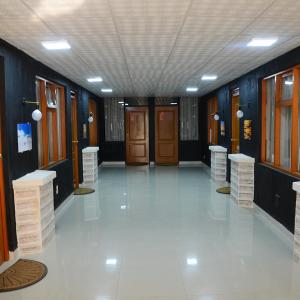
(273,188)
(18,72)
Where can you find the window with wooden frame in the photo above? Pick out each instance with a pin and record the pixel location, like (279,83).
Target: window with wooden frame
(52,127)
(212,124)
(281,120)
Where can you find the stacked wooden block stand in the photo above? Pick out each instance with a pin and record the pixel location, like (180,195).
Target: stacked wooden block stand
(34,208)
(296,187)
(218,163)
(242,179)
(90,165)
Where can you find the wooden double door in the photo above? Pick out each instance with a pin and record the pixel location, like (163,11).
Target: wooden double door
(166,135)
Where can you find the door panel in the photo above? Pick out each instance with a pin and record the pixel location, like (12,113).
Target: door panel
(93,127)
(75,141)
(235,127)
(166,135)
(137,135)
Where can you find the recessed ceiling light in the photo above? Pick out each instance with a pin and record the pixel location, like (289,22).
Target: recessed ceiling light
(95,79)
(191,89)
(261,42)
(209,77)
(192,261)
(56,45)
(111,261)
(106,90)
(289,82)
(121,102)
(173,103)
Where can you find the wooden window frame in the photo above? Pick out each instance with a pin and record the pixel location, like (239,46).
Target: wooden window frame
(212,108)
(44,125)
(279,103)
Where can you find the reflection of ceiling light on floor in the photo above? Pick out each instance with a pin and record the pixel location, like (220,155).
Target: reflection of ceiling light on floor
(123,207)
(125,194)
(192,261)
(111,261)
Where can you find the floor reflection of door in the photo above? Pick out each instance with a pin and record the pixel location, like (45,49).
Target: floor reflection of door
(75,140)
(166,135)
(137,135)
(235,128)
(3,230)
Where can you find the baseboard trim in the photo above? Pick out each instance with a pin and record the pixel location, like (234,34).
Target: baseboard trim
(113,164)
(190,163)
(285,235)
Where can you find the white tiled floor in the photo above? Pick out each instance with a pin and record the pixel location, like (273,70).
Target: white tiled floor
(163,234)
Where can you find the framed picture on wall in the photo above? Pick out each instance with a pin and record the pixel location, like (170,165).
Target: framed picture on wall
(222,128)
(247,130)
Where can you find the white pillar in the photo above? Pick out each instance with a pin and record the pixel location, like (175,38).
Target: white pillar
(218,163)
(242,179)
(296,187)
(34,209)
(90,165)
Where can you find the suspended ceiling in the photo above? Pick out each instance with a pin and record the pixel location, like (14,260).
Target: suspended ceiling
(151,47)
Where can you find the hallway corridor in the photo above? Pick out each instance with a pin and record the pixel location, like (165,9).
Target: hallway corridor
(163,234)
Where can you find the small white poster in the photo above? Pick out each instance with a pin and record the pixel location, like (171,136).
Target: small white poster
(24,137)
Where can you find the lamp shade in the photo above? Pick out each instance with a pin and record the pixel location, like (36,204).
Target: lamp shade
(239,114)
(216,117)
(36,115)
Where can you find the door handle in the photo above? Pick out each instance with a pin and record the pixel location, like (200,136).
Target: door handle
(1,157)
(75,142)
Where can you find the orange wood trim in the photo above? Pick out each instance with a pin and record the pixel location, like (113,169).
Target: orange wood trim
(294,131)
(277,121)
(2,203)
(286,102)
(63,122)
(43,106)
(55,136)
(282,73)
(263,121)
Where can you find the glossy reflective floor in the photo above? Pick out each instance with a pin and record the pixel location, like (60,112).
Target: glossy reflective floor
(163,234)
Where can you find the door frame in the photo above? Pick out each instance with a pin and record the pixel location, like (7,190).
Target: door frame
(74,106)
(178,135)
(94,124)
(148,127)
(3,182)
(233,116)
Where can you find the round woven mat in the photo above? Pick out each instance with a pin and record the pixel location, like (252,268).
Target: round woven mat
(224,190)
(83,191)
(23,273)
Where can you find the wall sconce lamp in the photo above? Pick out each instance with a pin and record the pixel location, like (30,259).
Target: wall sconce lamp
(240,113)
(90,118)
(36,114)
(216,116)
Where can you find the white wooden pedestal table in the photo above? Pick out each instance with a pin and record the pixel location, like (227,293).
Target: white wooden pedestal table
(90,165)
(218,163)
(242,179)
(34,209)
(296,187)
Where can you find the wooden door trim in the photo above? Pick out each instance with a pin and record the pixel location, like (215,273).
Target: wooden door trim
(2,180)
(141,108)
(74,106)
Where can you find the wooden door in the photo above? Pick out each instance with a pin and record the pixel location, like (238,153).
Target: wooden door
(3,229)
(137,135)
(75,158)
(166,135)
(235,125)
(93,127)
